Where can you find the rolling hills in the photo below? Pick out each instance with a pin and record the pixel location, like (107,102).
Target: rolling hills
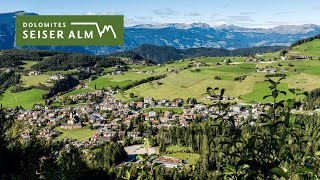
(188,77)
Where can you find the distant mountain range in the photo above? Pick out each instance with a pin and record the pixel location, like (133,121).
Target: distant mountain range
(178,35)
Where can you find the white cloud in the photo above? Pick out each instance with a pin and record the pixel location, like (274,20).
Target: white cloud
(165,12)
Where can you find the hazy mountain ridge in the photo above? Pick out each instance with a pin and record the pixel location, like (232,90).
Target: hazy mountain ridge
(179,35)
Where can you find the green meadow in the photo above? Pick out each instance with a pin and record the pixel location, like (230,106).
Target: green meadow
(79,91)
(163,109)
(80,134)
(188,83)
(307,49)
(35,80)
(180,153)
(117,80)
(28,64)
(26,99)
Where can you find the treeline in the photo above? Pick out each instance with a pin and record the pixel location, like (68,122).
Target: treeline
(299,42)
(9,62)
(158,54)
(28,54)
(62,85)
(162,54)
(63,62)
(137,83)
(8,79)
(20,88)
(313,99)
(275,75)
(240,78)
(131,55)
(109,155)
(223,144)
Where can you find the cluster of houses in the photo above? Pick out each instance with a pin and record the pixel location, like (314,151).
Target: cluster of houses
(56,77)
(112,117)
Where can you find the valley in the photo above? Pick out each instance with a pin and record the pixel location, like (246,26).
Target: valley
(181,109)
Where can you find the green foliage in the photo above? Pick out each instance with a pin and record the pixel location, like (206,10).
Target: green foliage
(162,54)
(62,85)
(68,61)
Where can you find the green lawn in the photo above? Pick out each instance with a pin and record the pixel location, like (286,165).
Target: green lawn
(26,98)
(107,70)
(261,89)
(51,73)
(174,149)
(163,109)
(270,56)
(189,157)
(117,80)
(28,64)
(79,91)
(79,134)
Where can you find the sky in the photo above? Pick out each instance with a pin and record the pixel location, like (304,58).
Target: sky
(245,13)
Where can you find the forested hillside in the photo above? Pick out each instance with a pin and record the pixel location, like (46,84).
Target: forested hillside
(162,54)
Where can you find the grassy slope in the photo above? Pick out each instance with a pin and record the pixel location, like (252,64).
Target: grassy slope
(193,84)
(79,91)
(120,80)
(35,80)
(307,49)
(28,64)
(26,98)
(272,56)
(190,84)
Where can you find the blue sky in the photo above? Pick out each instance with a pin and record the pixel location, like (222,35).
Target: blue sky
(247,13)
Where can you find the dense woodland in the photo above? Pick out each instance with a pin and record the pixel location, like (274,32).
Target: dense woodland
(62,85)
(63,62)
(162,54)
(8,79)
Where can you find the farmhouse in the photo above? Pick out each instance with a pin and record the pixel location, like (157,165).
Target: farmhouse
(34,73)
(56,77)
(169,162)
